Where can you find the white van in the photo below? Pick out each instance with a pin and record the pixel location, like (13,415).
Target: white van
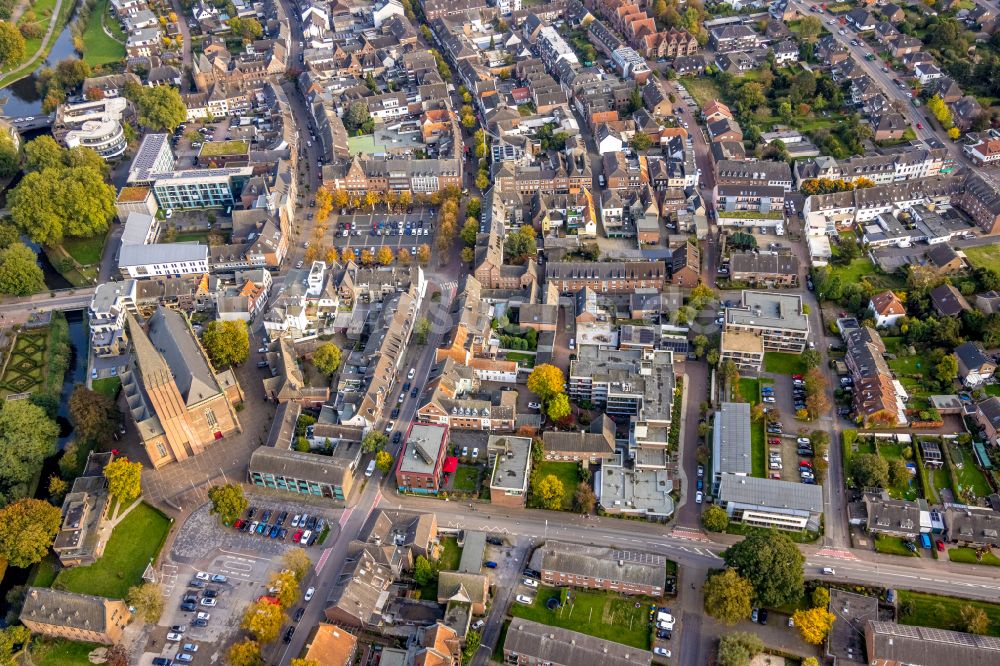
(371,469)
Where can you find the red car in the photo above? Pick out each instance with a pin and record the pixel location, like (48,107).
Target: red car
(796,376)
(297,536)
(920,125)
(806,463)
(775,441)
(238,524)
(940,546)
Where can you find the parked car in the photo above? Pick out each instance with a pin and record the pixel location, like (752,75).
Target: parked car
(698,497)
(530,582)
(309,594)
(201,575)
(762,616)
(188,606)
(524,599)
(701,471)
(490,564)
(299,613)
(174,637)
(184,657)
(661,652)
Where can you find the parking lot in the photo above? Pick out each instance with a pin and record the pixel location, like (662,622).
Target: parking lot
(242,564)
(366,230)
(783,459)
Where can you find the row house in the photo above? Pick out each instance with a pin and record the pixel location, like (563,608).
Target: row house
(750,198)
(731,38)
(606,277)
(453,398)
(671,43)
(755,172)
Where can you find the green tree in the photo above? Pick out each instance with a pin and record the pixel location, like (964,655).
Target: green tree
(641,141)
(43,153)
(899,475)
(161,107)
(248,29)
(227,342)
(124,479)
(772,563)
(374,441)
(521,243)
(20,274)
(728,597)
(422,330)
(558,407)
(738,648)
(715,518)
(56,202)
(27,529)
(810,28)
(811,358)
(228,502)
(9,158)
(327,358)
(869,470)
(482,180)
(546,381)
(11,44)
(27,438)
(472,642)
(95,417)
(12,641)
(57,488)
(821,597)
(947,369)
(357,117)
(548,491)
(468,255)
(423,571)
(700,344)
(469,231)
(147,599)
(245,653)
(383,461)
(263,621)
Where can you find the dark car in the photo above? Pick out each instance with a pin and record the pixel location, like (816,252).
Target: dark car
(762,616)
(414,393)
(494,540)
(251,511)
(395,413)
(398,436)
(197,583)
(281,518)
(406,386)
(275,530)
(161,661)
(289,633)
(188,606)
(312,539)
(700,484)
(491,565)
(189,599)
(210,594)
(664,634)
(311,523)
(266,516)
(199,623)
(283,533)
(299,613)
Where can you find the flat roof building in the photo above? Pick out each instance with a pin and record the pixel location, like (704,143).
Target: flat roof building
(625,571)
(771,503)
(511,469)
(731,441)
(529,642)
(776,317)
(420,464)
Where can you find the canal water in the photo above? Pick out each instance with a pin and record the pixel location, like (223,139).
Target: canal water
(21,98)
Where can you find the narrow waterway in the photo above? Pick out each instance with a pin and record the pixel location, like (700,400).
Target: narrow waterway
(21,98)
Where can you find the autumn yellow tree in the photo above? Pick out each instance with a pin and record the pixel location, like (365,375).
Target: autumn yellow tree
(324,203)
(340,199)
(124,479)
(546,381)
(245,653)
(403,257)
(296,561)
(384,255)
(371,198)
(304,662)
(311,254)
(367,258)
(405,199)
(347,255)
(424,253)
(287,585)
(332,256)
(263,620)
(814,624)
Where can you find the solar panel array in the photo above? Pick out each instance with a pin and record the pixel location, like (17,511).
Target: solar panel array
(642,558)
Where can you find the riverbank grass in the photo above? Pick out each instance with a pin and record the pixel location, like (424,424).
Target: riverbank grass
(98,47)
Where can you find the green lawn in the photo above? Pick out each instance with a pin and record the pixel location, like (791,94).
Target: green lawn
(451,554)
(930,610)
(783,363)
(854,271)
(968,556)
(87,251)
(134,543)
(568,473)
(466,479)
(44,572)
(601,614)
(702,88)
(992,389)
(59,652)
(750,390)
(910,490)
(109,386)
(98,47)
(984,256)
(891,545)
(969,475)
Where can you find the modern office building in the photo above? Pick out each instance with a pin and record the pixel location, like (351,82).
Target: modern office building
(731,441)
(200,188)
(96,125)
(330,476)
(785,505)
